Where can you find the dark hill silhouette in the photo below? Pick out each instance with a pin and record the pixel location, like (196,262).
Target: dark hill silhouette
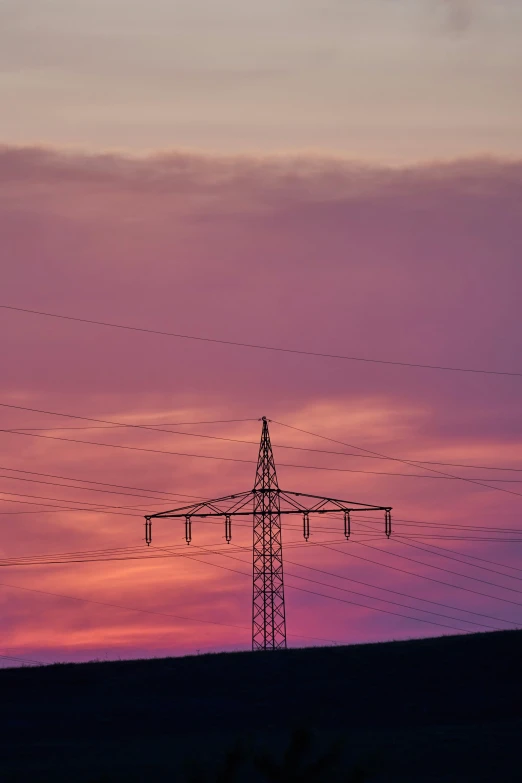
(445,709)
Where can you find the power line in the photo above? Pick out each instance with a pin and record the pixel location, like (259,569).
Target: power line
(125,425)
(101,555)
(87,489)
(442,553)
(275,445)
(150,425)
(474,557)
(96,555)
(170,553)
(118,606)
(343,600)
(127,553)
(21,660)
(406,595)
(243,627)
(376,587)
(92,552)
(398,459)
(257,347)
(420,576)
(420,536)
(55,509)
(151,611)
(109,424)
(253,462)
(446,570)
(162,451)
(438,526)
(97,506)
(407,523)
(168,495)
(122,426)
(458,560)
(227,550)
(241,549)
(59,509)
(403,539)
(128,448)
(381,600)
(489,539)
(397,614)
(441,525)
(85,560)
(107,509)
(475,528)
(65,508)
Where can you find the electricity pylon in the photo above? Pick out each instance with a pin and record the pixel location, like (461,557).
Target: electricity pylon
(265,503)
(268,600)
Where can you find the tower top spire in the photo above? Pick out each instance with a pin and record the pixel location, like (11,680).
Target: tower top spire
(266,475)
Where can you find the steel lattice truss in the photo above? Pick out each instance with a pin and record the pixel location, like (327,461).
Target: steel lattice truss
(265,503)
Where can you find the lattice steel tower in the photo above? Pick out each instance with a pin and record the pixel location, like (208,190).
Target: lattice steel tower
(268,605)
(265,504)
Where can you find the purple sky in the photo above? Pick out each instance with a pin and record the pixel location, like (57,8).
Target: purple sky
(350,240)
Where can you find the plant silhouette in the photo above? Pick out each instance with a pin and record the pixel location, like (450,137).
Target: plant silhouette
(299,764)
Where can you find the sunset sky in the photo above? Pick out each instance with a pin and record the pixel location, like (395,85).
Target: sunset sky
(339,177)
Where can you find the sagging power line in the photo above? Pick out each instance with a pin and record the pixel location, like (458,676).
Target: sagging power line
(106,424)
(237,344)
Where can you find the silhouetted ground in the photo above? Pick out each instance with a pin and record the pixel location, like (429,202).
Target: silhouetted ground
(447,709)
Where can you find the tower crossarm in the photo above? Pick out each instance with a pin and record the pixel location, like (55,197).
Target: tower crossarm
(290,503)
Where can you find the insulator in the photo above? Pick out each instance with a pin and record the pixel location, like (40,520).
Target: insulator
(188,530)
(347,525)
(228,528)
(148,531)
(306,525)
(387,522)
